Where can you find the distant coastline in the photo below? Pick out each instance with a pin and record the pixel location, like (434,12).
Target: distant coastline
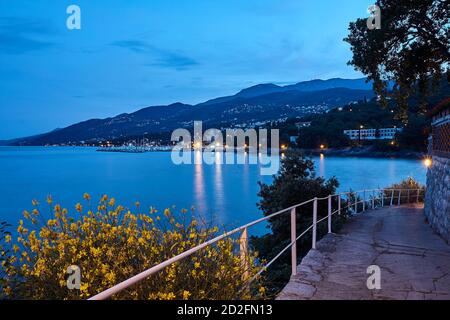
(365,152)
(356,152)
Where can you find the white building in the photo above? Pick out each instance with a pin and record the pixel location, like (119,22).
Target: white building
(372,134)
(303,124)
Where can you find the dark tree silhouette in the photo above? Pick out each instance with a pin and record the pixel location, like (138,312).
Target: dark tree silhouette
(412,48)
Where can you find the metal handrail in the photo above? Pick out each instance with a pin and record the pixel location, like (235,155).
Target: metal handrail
(244,239)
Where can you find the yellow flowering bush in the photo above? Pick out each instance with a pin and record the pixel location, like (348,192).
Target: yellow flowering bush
(405,185)
(111,244)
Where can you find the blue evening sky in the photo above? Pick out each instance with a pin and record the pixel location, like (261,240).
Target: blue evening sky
(132,54)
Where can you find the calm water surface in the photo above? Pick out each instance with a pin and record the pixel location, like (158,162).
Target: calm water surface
(226,192)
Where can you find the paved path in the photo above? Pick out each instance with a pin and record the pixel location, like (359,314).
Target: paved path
(414,261)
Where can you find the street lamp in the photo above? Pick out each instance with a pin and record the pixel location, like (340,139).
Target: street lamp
(427,162)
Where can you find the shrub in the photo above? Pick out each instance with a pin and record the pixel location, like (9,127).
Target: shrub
(295,183)
(5,236)
(113,244)
(405,195)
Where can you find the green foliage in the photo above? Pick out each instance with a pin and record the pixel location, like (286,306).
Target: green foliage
(407,184)
(4,252)
(412,48)
(415,134)
(295,183)
(111,244)
(328,129)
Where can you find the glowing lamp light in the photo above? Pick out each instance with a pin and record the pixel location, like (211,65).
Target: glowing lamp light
(322,146)
(427,162)
(283,147)
(197,145)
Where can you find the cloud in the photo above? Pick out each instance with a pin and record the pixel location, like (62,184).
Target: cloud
(162,58)
(20,35)
(133,45)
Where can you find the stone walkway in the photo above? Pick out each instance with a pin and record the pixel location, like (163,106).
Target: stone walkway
(414,261)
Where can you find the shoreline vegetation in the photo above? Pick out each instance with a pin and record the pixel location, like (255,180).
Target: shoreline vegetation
(109,243)
(365,152)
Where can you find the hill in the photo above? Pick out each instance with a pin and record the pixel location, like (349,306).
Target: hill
(250,107)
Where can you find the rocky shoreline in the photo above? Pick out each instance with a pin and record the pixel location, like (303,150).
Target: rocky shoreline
(368,152)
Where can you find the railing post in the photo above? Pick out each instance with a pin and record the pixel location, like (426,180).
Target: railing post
(373,199)
(408,196)
(418,191)
(382,198)
(243,250)
(339,204)
(364,201)
(392,197)
(356,202)
(314,233)
(399,196)
(329,214)
(294,242)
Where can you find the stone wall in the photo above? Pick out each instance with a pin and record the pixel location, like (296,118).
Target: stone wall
(437,199)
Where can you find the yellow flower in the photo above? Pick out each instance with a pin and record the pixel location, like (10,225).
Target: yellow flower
(26,214)
(110,277)
(34,202)
(51,222)
(86,196)
(167,212)
(49,199)
(95,252)
(186,295)
(83,287)
(112,202)
(113,244)
(78,207)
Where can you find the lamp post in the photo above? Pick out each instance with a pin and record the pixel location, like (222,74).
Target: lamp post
(360,129)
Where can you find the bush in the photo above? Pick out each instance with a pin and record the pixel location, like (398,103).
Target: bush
(114,244)
(295,183)
(4,251)
(405,196)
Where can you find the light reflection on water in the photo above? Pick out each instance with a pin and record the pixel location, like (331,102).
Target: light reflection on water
(227,192)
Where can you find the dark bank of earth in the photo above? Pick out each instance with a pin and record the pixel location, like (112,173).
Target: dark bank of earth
(369,152)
